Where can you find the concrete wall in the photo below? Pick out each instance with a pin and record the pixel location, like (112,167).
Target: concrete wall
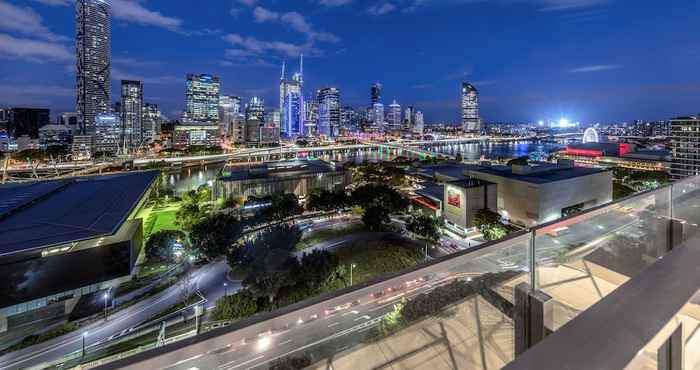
(589,190)
(529,204)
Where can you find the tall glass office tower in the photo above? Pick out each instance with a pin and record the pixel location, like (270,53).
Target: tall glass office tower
(202,98)
(471,122)
(93,61)
(329,111)
(132,113)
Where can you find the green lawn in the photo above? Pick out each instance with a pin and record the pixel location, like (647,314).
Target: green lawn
(313,238)
(376,258)
(160,218)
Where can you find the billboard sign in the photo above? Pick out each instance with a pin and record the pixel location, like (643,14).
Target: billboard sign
(454,197)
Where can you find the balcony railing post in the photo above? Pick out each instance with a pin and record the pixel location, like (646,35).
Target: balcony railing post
(533,311)
(671,353)
(532,261)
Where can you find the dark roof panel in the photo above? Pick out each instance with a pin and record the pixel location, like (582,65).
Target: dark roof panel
(78,209)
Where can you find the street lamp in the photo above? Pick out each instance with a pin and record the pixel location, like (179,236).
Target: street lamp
(83,351)
(226,288)
(106,297)
(352,266)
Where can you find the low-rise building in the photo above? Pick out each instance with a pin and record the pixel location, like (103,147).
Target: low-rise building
(463,199)
(295,176)
(196,134)
(542,192)
(66,239)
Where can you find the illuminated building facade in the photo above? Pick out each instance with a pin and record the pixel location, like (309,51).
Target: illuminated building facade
(329,112)
(255,109)
(393,116)
(109,133)
(93,61)
(132,113)
(376,93)
(471,121)
(685,144)
(202,93)
(152,119)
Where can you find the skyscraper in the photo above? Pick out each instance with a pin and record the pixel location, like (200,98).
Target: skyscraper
(202,98)
(152,119)
(409,117)
(685,146)
(393,116)
(376,93)
(229,107)
(93,61)
(471,122)
(418,125)
(292,106)
(255,108)
(377,113)
(132,113)
(328,111)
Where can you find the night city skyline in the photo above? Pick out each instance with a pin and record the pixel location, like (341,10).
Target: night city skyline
(586,60)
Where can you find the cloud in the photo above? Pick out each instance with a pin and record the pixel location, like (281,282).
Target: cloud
(334,3)
(33,95)
(251,46)
(595,68)
(26,21)
(381,9)
(564,5)
(118,74)
(33,50)
(134,12)
(262,15)
(55,2)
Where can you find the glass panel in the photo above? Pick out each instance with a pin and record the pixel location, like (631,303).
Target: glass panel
(583,258)
(454,314)
(686,205)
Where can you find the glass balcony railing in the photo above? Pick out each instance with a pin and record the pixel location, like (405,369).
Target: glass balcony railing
(461,311)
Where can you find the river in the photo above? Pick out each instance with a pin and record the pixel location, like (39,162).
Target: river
(192,177)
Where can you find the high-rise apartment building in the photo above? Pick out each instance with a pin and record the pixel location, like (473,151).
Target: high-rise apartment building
(328,111)
(685,144)
(202,93)
(255,108)
(393,116)
(93,61)
(376,93)
(132,113)
(471,121)
(237,130)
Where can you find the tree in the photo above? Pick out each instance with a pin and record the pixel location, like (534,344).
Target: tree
(236,306)
(267,250)
(327,200)
(231,201)
(268,281)
(160,245)
(380,195)
(213,236)
(376,218)
(318,268)
(425,226)
(283,206)
(489,223)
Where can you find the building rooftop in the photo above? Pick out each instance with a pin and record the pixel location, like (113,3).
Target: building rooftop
(432,190)
(541,174)
(41,214)
(453,170)
(277,169)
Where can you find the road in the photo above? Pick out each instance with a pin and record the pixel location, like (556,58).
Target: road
(314,330)
(208,279)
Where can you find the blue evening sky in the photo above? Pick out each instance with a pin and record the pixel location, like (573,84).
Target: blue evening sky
(588,60)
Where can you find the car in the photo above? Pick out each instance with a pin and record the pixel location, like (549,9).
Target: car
(378,294)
